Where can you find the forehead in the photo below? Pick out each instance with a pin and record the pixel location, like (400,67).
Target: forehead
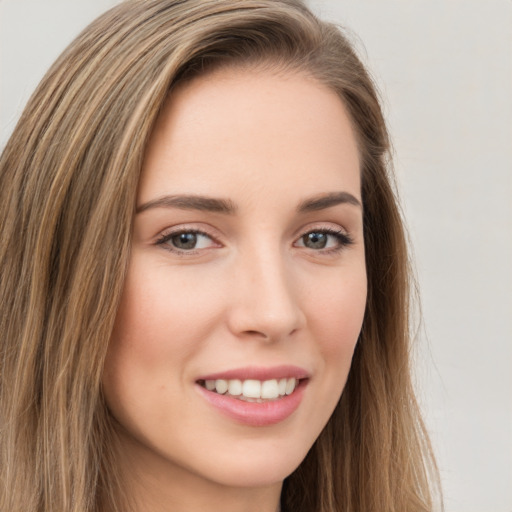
(234,127)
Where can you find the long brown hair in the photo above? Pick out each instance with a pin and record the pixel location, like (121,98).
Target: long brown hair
(68,180)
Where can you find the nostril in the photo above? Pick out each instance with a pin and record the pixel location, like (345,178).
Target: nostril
(257,333)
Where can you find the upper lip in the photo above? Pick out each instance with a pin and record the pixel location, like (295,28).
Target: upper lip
(259,373)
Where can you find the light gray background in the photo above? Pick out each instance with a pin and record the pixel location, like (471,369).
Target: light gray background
(444,69)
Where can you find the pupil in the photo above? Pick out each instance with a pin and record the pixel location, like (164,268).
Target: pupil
(315,240)
(185,240)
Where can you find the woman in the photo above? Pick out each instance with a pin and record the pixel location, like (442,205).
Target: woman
(204,276)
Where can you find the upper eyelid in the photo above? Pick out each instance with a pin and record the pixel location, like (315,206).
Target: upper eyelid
(175,230)
(166,235)
(211,231)
(333,227)
(218,236)
(341,233)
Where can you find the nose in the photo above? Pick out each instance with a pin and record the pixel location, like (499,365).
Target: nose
(265,301)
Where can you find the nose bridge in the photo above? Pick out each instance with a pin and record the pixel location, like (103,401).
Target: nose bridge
(266,302)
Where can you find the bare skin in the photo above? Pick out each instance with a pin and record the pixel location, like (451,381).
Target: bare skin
(247,260)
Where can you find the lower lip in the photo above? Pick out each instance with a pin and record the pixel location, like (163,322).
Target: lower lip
(256,414)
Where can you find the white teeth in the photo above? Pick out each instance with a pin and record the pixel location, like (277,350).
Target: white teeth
(235,387)
(290,386)
(282,386)
(221,386)
(253,389)
(269,389)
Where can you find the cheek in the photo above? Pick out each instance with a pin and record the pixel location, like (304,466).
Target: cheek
(158,312)
(337,316)
(335,320)
(162,322)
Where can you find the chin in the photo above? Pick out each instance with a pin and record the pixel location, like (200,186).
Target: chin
(258,467)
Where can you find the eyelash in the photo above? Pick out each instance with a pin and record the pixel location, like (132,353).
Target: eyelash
(166,237)
(343,240)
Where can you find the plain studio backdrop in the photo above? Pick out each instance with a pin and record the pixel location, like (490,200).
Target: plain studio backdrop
(444,69)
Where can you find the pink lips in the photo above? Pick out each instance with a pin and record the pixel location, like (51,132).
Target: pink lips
(254,413)
(259,373)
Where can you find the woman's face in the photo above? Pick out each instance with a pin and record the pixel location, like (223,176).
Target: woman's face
(247,272)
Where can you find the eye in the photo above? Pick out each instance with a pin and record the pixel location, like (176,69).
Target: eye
(185,241)
(324,239)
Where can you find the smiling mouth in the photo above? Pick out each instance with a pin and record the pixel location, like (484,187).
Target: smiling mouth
(252,390)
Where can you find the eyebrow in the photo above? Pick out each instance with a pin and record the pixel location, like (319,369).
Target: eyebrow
(323,201)
(190,202)
(226,206)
